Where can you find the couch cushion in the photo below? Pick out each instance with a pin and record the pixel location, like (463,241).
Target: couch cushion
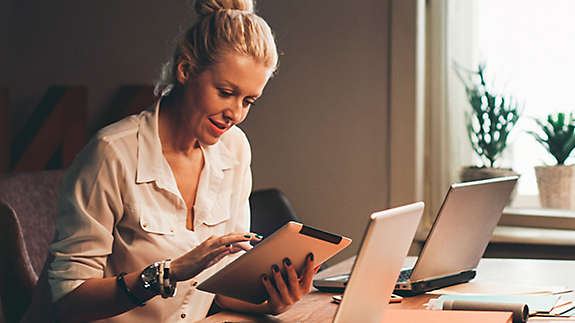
(34,199)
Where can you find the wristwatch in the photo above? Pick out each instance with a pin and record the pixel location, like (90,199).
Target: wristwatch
(150,278)
(156,278)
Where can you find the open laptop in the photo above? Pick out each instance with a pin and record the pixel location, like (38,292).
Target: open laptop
(456,241)
(383,249)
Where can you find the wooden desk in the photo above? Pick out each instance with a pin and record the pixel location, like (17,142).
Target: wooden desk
(317,306)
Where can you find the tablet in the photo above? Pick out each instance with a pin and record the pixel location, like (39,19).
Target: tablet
(241,279)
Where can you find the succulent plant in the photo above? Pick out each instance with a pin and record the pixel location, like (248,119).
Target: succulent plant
(558,135)
(492,117)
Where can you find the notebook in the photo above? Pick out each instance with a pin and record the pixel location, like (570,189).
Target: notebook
(384,246)
(456,241)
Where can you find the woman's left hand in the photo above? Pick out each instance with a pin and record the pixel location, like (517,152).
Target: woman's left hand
(286,290)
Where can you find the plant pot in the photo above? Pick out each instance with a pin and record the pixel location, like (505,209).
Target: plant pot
(474,173)
(556,186)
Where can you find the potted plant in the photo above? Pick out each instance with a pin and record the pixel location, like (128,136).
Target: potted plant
(493,115)
(556,183)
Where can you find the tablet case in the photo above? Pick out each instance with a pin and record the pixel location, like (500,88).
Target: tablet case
(241,279)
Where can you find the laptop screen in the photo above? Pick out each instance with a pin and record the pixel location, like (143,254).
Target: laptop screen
(464,225)
(384,246)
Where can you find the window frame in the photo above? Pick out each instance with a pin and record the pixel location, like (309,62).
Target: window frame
(440,170)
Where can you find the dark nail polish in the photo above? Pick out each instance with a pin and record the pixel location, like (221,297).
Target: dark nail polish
(275,268)
(265,277)
(228,245)
(259,236)
(311,256)
(287,262)
(247,236)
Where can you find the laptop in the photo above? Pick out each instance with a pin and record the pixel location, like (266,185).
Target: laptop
(384,246)
(456,241)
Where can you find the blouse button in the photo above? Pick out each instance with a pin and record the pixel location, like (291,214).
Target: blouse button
(183,315)
(194,283)
(172,230)
(145,225)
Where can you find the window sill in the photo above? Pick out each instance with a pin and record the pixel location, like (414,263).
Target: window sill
(533,236)
(530,226)
(536,227)
(538,218)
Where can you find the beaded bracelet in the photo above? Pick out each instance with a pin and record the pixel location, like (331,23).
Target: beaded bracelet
(168,287)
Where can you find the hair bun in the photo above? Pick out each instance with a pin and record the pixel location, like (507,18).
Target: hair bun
(209,7)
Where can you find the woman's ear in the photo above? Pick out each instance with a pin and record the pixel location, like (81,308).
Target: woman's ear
(183,71)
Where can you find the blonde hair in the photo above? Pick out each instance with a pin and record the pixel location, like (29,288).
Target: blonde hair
(223,25)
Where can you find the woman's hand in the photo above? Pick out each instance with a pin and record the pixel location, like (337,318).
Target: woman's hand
(285,291)
(209,253)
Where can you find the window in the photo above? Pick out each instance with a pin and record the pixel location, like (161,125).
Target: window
(529,49)
(530,53)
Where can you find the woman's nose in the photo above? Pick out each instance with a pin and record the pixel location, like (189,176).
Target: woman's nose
(234,112)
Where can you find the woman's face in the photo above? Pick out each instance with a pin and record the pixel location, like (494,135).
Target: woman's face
(221,96)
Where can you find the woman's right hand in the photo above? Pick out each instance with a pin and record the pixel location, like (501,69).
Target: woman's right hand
(209,253)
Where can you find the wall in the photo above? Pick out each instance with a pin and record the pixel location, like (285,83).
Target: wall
(100,45)
(320,131)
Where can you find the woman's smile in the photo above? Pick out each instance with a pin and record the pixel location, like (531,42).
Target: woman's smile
(220,125)
(218,128)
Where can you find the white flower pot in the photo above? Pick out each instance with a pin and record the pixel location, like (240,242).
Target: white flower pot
(556,186)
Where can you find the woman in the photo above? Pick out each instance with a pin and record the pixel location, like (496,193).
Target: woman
(158,202)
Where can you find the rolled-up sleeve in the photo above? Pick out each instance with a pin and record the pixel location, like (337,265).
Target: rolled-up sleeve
(89,206)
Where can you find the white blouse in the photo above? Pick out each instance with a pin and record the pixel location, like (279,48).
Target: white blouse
(121,210)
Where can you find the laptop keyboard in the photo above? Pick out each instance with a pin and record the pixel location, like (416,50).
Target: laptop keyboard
(404,275)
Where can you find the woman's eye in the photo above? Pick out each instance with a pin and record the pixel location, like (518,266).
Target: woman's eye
(249,103)
(225,93)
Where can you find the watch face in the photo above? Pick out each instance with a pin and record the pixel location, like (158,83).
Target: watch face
(149,276)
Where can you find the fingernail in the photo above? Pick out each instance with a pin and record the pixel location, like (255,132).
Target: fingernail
(311,256)
(264,277)
(259,236)
(228,245)
(287,262)
(247,236)
(275,268)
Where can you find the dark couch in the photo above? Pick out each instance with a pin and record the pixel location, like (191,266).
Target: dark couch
(28,205)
